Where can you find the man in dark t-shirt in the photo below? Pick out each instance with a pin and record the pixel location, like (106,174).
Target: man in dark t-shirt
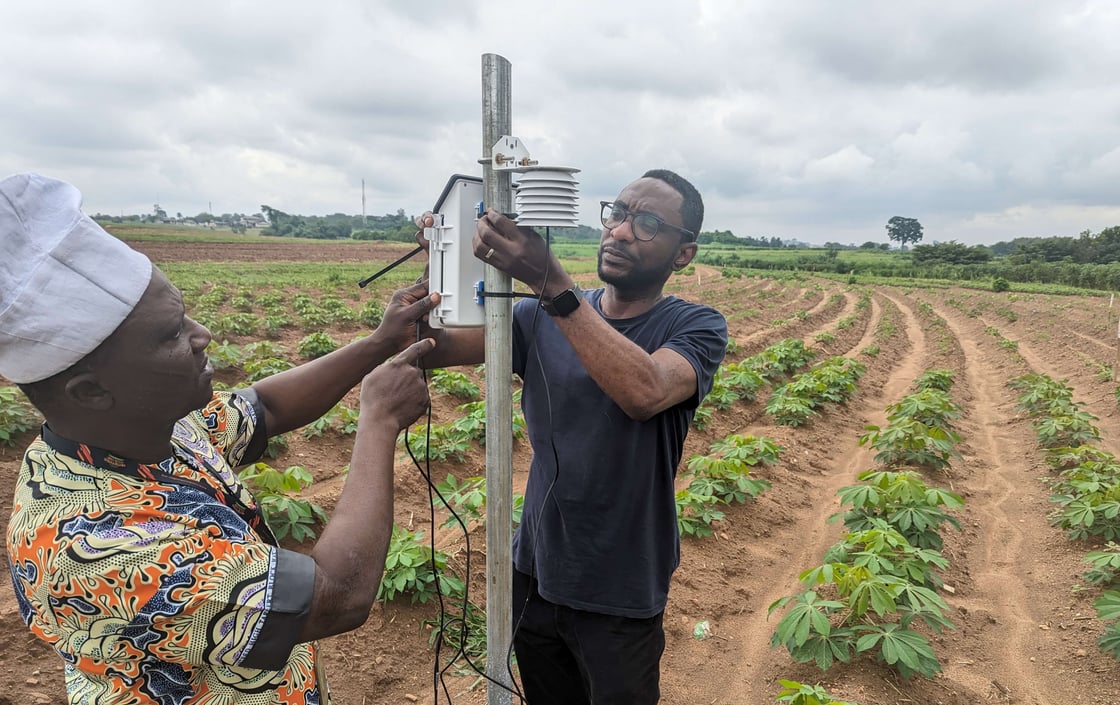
(612,378)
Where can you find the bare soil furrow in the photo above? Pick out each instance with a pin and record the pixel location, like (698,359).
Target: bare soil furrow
(817,470)
(1010,592)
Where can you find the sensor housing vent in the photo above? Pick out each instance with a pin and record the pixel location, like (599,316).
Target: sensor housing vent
(547,197)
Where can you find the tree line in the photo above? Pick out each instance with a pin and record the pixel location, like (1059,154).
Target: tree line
(1037,259)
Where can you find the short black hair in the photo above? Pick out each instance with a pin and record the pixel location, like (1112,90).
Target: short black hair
(692,209)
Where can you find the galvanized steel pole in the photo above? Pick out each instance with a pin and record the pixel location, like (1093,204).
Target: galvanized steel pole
(496,123)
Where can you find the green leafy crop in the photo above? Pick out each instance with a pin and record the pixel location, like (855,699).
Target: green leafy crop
(412,567)
(454,383)
(16,414)
(277,490)
(316,344)
(468,500)
(794,693)
(903,501)
(882,584)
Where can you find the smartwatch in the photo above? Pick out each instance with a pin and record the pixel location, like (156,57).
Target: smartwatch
(563,303)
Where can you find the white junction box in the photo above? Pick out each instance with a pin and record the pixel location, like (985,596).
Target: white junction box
(453,270)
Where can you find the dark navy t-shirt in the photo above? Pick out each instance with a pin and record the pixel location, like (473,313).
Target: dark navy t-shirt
(598,529)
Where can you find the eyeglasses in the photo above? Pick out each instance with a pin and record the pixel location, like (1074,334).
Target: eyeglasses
(644,225)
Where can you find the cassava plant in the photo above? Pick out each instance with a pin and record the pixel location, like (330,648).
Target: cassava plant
(413,568)
(919,432)
(904,502)
(725,472)
(277,491)
(794,693)
(696,512)
(468,500)
(16,415)
(881,585)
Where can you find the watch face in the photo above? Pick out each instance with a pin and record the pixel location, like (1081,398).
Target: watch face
(563,303)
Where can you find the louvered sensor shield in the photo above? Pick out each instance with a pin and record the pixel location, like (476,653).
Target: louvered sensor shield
(547,197)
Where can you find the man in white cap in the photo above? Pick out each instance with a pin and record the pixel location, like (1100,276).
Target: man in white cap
(134,550)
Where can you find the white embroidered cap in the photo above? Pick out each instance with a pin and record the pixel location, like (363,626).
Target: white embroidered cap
(65,283)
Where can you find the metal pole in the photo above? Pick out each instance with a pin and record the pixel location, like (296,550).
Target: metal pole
(496,122)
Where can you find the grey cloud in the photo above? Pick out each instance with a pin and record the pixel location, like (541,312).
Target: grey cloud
(796,119)
(982,46)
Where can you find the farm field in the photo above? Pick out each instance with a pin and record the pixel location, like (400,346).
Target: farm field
(1025,629)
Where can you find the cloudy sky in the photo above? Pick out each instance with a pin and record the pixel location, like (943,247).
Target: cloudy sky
(810,119)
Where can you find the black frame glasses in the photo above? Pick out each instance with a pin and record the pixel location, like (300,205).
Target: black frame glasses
(645,226)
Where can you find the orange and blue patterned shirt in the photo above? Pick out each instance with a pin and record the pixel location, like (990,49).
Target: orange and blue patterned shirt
(161,583)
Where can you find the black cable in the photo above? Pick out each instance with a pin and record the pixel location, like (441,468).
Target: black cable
(367,280)
(532,344)
(433,491)
(506,295)
(444,620)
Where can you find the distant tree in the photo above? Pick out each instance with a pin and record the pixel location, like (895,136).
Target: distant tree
(951,252)
(1102,248)
(904,230)
(1047,249)
(279,222)
(158,213)
(869,245)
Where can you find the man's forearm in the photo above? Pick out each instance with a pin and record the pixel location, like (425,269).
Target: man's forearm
(642,384)
(350,555)
(296,397)
(454,347)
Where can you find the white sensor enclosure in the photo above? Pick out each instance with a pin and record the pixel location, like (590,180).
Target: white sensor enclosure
(453,270)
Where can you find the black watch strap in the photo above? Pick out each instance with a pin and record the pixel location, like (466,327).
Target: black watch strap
(563,303)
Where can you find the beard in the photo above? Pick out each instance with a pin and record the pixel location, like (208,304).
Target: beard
(636,279)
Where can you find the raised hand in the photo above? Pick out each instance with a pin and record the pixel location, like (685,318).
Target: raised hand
(396,390)
(406,310)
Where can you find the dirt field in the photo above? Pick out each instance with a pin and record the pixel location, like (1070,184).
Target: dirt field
(1024,634)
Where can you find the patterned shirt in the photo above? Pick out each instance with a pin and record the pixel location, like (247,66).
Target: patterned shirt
(161,583)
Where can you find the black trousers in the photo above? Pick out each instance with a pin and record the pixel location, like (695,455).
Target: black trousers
(571,657)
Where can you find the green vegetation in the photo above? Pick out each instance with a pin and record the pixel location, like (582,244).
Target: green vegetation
(1108,608)
(794,693)
(919,431)
(436,442)
(16,415)
(740,381)
(413,568)
(316,345)
(340,418)
(277,490)
(1086,489)
(468,500)
(879,579)
(882,584)
(461,627)
(904,502)
(457,384)
(722,477)
(831,381)
(904,230)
